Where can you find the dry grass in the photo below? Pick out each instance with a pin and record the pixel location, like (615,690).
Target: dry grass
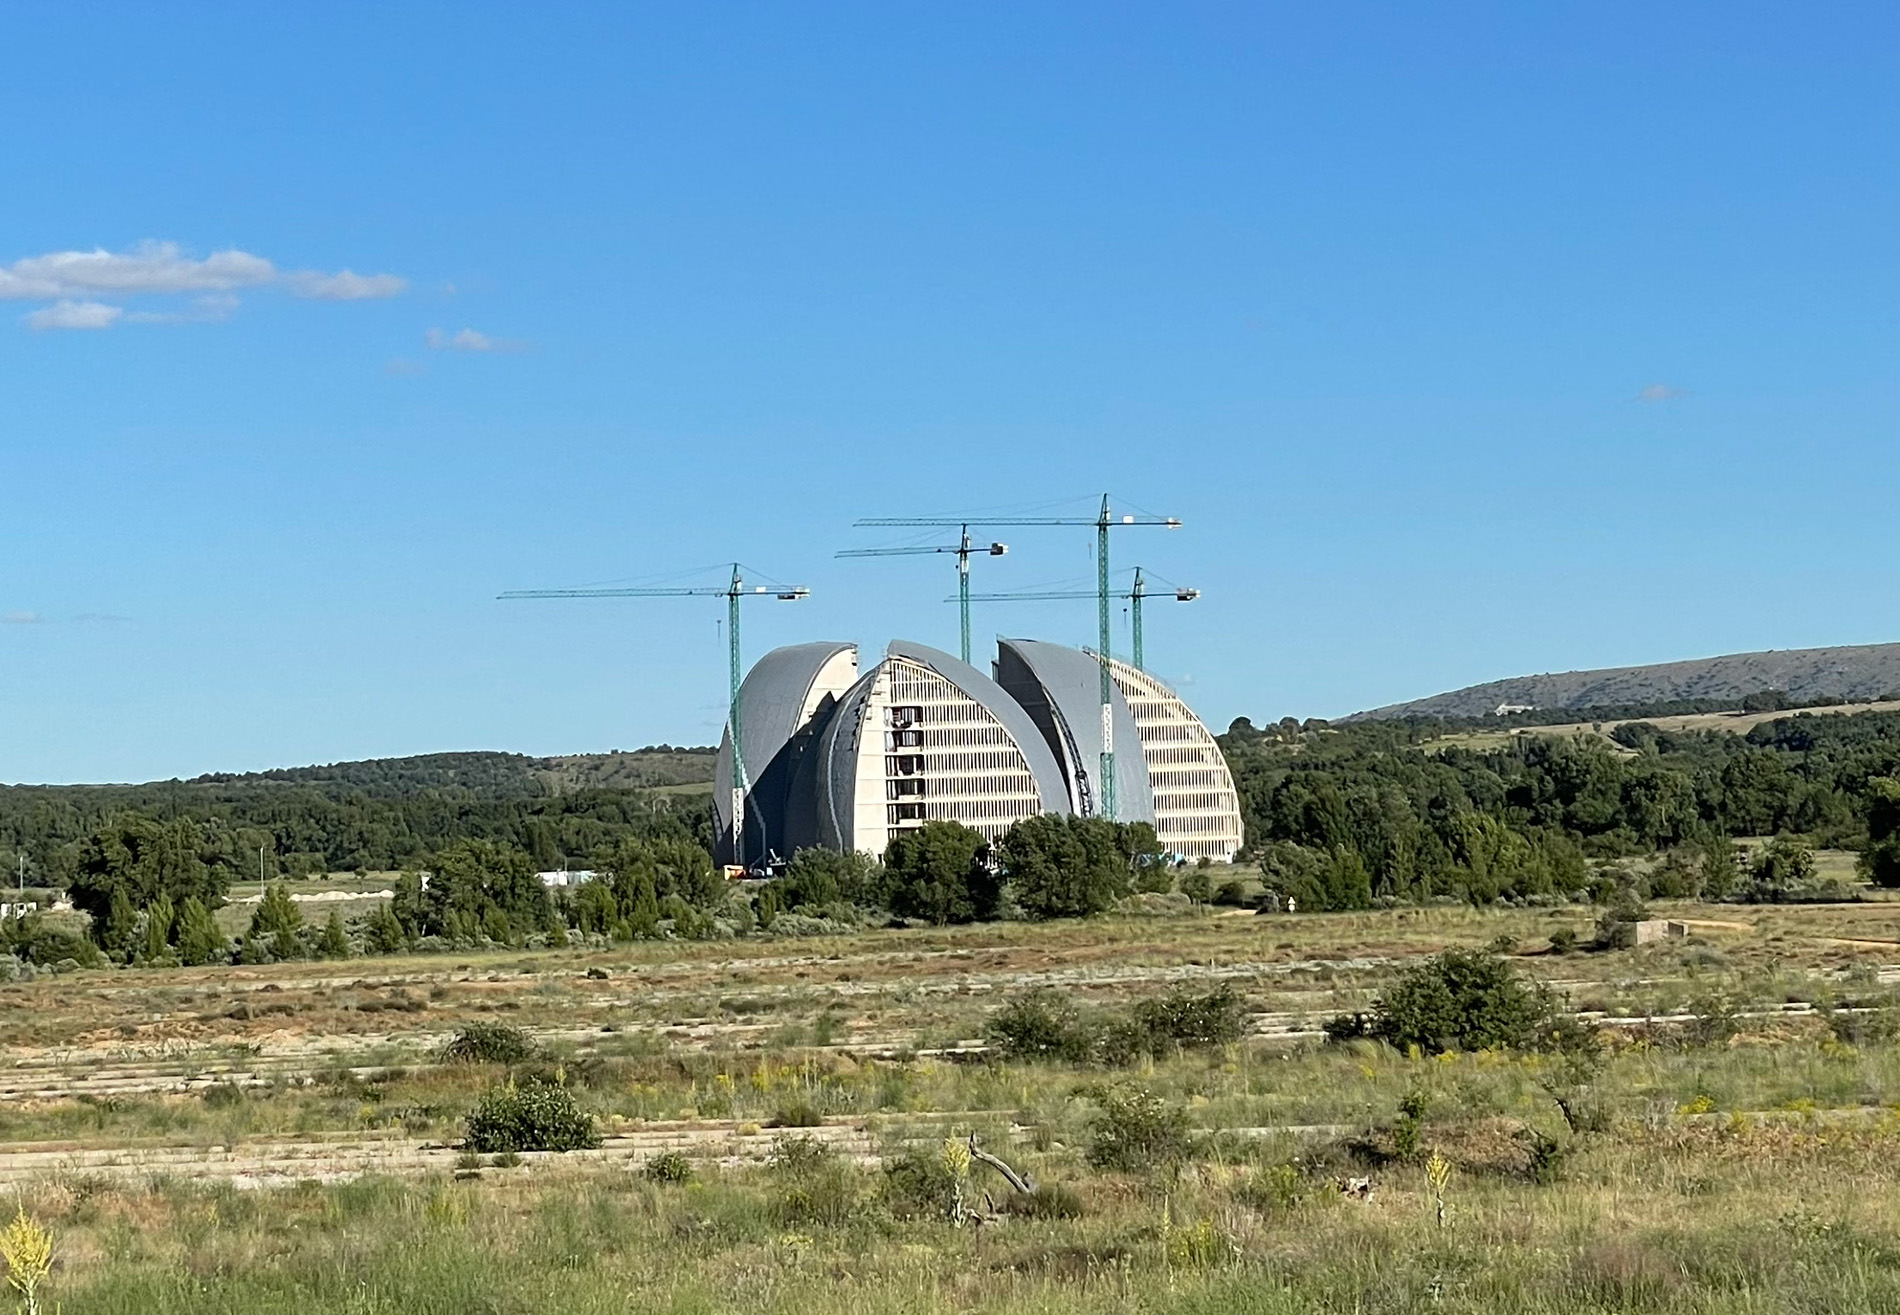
(1744,1174)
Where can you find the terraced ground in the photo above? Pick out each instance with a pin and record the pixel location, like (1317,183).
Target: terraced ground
(133,1103)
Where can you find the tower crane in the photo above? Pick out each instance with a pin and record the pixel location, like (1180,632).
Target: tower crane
(1103,522)
(1134,594)
(733,593)
(963,548)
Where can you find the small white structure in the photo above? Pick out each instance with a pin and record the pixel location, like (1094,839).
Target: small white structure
(19,908)
(563,879)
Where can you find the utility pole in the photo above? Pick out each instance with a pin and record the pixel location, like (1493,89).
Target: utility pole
(1135,593)
(732,593)
(964,550)
(1103,523)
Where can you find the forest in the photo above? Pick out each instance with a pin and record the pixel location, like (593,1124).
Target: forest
(1393,811)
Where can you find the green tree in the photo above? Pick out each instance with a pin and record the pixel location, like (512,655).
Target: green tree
(937,872)
(200,939)
(383,932)
(160,918)
(1060,866)
(1198,885)
(133,859)
(334,942)
(478,887)
(821,877)
(276,924)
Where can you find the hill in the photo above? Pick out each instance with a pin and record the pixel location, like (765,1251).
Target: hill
(1857,673)
(380,813)
(483,775)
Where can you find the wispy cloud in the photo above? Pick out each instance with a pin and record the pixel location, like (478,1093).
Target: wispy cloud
(468,340)
(1660,393)
(402,365)
(20,618)
(347,285)
(74,315)
(74,280)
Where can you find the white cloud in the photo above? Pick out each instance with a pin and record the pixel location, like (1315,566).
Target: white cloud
(19,619)
(468,340)
(72,280)
(74,315)
(347,285)
(401,366)
(1659,393)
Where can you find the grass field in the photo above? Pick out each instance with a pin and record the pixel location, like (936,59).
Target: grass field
(246,1139)
(1735,723)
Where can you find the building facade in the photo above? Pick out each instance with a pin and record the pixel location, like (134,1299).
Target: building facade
(846,761)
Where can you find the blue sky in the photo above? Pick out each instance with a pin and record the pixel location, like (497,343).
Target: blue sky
(1469,340)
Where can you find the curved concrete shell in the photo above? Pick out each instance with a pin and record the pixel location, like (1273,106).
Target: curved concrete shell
(1196,808)
(1061,690)
(783,702)
(923,737)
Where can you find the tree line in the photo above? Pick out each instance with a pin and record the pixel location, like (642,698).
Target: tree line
(1393,811)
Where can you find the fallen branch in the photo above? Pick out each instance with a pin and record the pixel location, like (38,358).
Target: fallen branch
(1027,1186)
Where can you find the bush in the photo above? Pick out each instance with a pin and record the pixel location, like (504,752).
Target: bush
(1044,1024)
(490,1043)
(1185,1021)
(1048,1201)
(1136,1131)
(918,1185)
(669,1167)
(796,1114)
(536,1116)
(1041,1024)
(1462,1000)
(1231,895)
(815,1186)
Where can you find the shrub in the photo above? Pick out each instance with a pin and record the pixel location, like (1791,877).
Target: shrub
(1041,1024)
(1185,1021)
(1462,1000)
(536,1116)
(490,1043)
(1856,1027)
(918,1185)
(668,1167)
(1347,1027)
(1277,1190)
(815,1186)
(1232,895)
(1136,1130)
(796,1114)
(1048,1201)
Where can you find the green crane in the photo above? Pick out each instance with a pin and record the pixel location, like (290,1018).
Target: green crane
(1134,594)
(732,593)
(964,550)
(1103,523)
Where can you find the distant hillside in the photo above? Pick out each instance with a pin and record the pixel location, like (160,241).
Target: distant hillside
(383,813)
(484,775)
(1858,673)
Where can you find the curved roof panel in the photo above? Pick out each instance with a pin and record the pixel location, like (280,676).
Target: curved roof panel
(779,695)
(1061,690)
